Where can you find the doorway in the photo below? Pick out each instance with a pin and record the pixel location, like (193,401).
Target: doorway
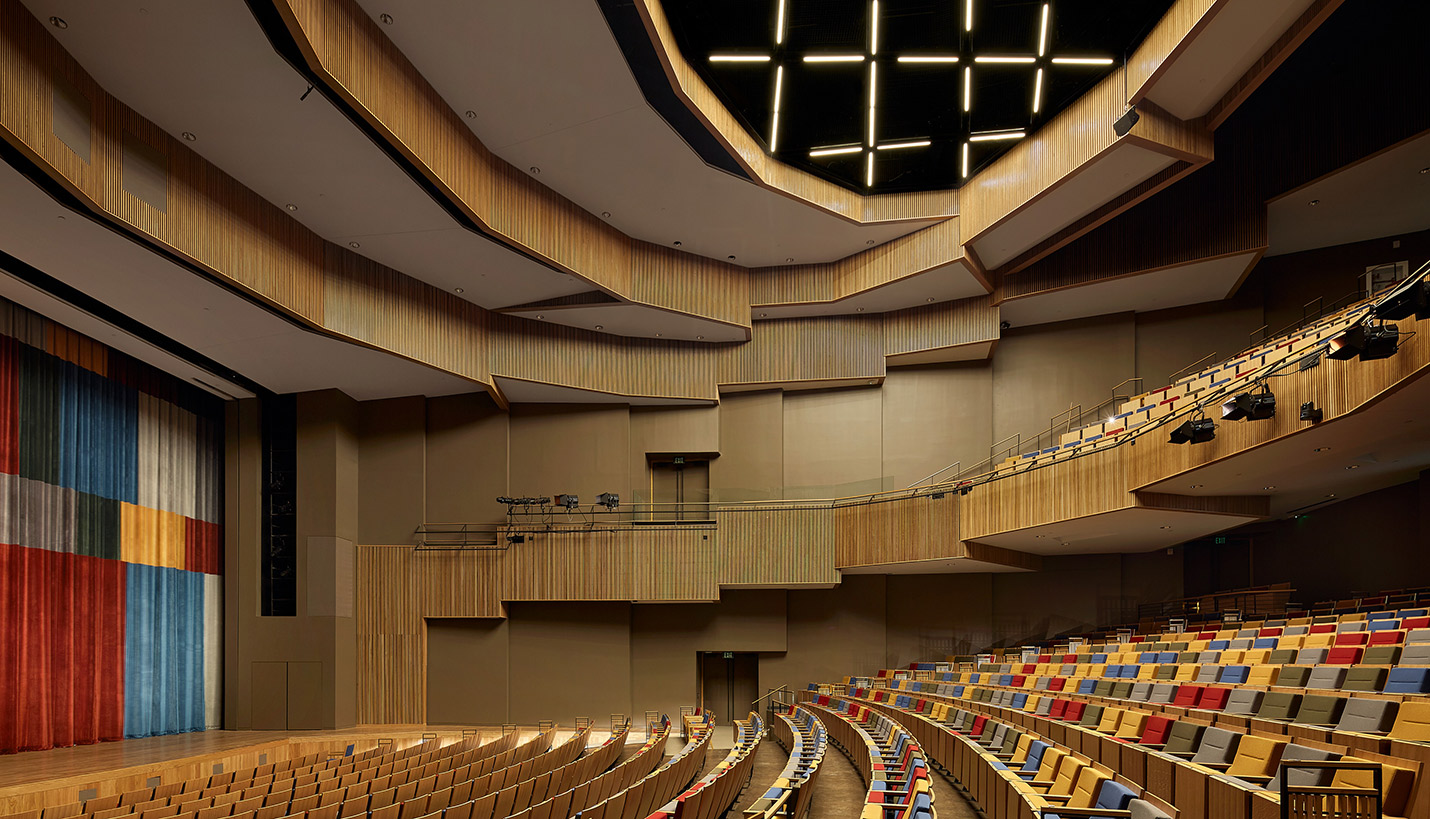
(679,489)
(729,683)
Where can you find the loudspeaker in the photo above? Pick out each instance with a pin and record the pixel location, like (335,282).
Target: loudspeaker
(1125,122)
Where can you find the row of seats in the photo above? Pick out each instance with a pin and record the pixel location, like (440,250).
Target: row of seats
(644,796)
(711,795)
(600,780)
(887,757)
(314,786)
(801,733)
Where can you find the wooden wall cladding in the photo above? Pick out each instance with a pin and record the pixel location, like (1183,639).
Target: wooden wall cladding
(966,321)
(777,545)
(891,531)
(1168,37)
(804,349)
(1089,485)
(904,257)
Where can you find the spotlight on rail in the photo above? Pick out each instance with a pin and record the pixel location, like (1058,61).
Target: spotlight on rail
(1410,298)
(568,501)
(610,500)
(1195,431)
(1250,406)
(516,538)
(1310,412)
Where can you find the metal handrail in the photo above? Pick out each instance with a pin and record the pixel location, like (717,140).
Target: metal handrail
(936,473)
(1172,379)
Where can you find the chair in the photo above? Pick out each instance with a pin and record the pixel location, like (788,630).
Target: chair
(1279,705)
(1301,777)
(1213,698)
(1208,674)
(1311,656)
(1395,784)
(1263,675)
(1321,710)
(1256,758)
(1364,678)
(1416,653)
(1366,716)
(1282,656)
(1244,701)
(1382,655)
(1344,655)
(1163,693)
(1234,674)
(1294,676)
(1217,748)
(1407,681)
(1156,730)
(1326,676)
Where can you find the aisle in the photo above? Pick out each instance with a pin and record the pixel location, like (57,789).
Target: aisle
(770,760)
(839,792)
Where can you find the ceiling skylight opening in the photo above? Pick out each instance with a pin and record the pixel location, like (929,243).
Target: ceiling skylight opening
(834,58)
(997,136)
(780,25)
(775,115)
(896,146)
(914,58)
(1038,91)
(739,58)
(836,151)
(1043,32)
(1082,61)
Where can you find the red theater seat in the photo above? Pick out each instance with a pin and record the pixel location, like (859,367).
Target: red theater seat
(1352,638)
(1187,696)
(1344,655)
(1213,698)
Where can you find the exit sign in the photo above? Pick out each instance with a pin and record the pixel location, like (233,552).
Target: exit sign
(1220,540)
(729,655)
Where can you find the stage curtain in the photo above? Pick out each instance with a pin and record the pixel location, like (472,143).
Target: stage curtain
(164,652)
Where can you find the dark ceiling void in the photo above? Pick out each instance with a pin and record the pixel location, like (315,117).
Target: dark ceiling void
(902,95)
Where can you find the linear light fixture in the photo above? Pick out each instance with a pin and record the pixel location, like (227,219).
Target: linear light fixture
(1043,33)
(873,98)
(739,58)
(967,89)
(874,28)
(930,58)
(965,160)
(775,115)
(967,15)
(780,25)
(997,137)
(1006,60)
(869,169)
(1082,61)
(1038,91)
(894,146)
(846,149)
(834,58)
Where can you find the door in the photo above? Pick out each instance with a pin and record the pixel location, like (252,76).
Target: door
(680,489)
(729,683)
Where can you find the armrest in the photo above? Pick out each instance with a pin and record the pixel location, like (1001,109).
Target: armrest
(1216,766)
(1255,780)
(1090,812)
(1047,797)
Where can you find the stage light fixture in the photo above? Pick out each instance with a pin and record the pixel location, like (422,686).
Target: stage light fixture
(516,538)
(610,500)
(1370,342)
(1309,412)
(568,501)
(1195,431)
(1250,406)
(1125,122)
(1410,298)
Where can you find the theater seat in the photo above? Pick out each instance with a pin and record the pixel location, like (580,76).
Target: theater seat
(1244,701)
(1282,656)
(1163,693)
(1344,655)
(1319,709)
(1311,656)
(1263,675)
(1413,721)
(1279,705)
(1213,698)
(1184,738)
(1415,654)
(1364,678)
(1294,676)
(1208,674)
(1187,696)
(1303,777)
(1395,785)
(1366,716)
(1381,655)
(1142,809)
(1407,681)
(1217,748)
(1326,676)
(1234,674)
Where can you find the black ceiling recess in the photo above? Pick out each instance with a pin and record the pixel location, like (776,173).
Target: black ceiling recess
(901,95)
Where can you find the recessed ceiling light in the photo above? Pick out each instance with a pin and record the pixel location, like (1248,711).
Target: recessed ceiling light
(676,243)
(535,171)
(1332,495)
(1166,527)
(870,242)
(291,206)
(929,299)
(189,136)
(459,290)
(1268,487)
(731,258)
(354,245)
(789,258)
(59,22)
(764,315)
(385,18)
(600,326)
(700,338)
(1322,449)
(471,114)
(540,318)
(1315,202)
(605,214)
(657,335)
(1424,170)
(1353,466)
(1197,485)
(872,382)
(859,309)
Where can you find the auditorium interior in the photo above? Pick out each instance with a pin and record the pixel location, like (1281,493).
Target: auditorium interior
(664,409)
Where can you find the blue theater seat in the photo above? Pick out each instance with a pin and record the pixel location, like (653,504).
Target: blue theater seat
(1408,681)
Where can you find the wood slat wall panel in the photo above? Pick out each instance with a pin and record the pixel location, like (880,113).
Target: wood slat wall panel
(802,349)
(909,255)
(1166,40)
(1085,486)
(657,563)
(778,546)
(890,531)
(1246,505)
(965,321)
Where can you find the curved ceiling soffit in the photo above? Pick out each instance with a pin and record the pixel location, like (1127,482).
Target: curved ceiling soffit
(644,273)
(215,227)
